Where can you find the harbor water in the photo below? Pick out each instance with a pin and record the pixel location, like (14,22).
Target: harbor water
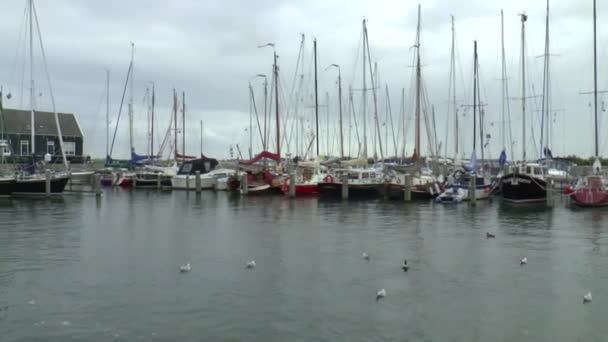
(107,268)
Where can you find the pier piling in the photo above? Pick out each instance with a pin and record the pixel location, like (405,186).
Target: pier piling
(47,176)
(158,176)
(344,186)
(407,188)
(97,184)
(244,184)
(292,185)
(472,187)
(188,183)
(198,182)
(549,190)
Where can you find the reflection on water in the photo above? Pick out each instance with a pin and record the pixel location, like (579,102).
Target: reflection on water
(81,267)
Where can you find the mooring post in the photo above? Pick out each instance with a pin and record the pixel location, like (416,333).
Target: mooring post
(292,185)
(198,182)
(187,182)
(158,180)
(549,190)
(244,184)
(407,188)
(97,184)
(344,186)
(47,175)
(472,186)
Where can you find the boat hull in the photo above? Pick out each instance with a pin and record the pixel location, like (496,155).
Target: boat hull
(419,193)
(592,194)
(37,186)
(7,187)
(523,189)
(188,182)
(354,190)
(301,189)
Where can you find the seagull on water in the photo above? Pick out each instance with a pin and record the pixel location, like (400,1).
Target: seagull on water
(524,261)
(366,256)
(185,268)
(405,266)
(250,264)
(380,294)
(587,298)
(490,235)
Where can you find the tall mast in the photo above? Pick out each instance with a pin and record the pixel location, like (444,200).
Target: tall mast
(131,101)
(32,91)
(475,96)
(184,123)
(340,113)
(152,128)
(107,112)
(276,101)
(524,17)
(265,136)
(202,141)
(595,77)
(545,110)
(364,90)
(418,90)
(175,123)
(504,76)
(314,42)
(453,88)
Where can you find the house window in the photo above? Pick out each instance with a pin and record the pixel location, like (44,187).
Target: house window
(50,147)
(70,148)
(25,147)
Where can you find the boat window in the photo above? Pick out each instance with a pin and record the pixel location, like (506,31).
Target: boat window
(186,168)
(529,170)
(364,175)
(25,147)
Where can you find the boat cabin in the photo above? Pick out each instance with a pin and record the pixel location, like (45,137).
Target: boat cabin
(532,169)
(203,165)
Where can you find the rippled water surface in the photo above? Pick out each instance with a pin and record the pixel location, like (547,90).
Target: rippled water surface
(83,268)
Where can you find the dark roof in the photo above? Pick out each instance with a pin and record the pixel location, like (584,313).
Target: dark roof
(18,122)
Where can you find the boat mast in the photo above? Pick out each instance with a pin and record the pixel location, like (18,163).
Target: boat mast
(175,124)
(32,90)
(152,127)
(107,112)
(502,43)
(475,97)
(202,141)
(453,88)
(340,113)
(276,100)
(364,90)
(546,86)
(184,123)
(524,17)
(131,102)
(595,77)
(314,44)
(418,81)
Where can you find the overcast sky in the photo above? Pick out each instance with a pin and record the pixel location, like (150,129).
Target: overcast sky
(209,50)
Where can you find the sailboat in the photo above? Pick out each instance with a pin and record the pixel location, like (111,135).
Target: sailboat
(458,186)
(525,182)
(362,180)
(591,190)
(34,183)
(424,185)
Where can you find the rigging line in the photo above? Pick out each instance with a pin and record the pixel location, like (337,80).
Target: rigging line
(48,78)
(124,92)
(21,37)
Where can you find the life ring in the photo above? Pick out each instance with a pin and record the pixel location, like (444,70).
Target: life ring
(328,179)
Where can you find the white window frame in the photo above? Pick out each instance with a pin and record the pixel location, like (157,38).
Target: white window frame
(69,147)
(24,143)
(50,143)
